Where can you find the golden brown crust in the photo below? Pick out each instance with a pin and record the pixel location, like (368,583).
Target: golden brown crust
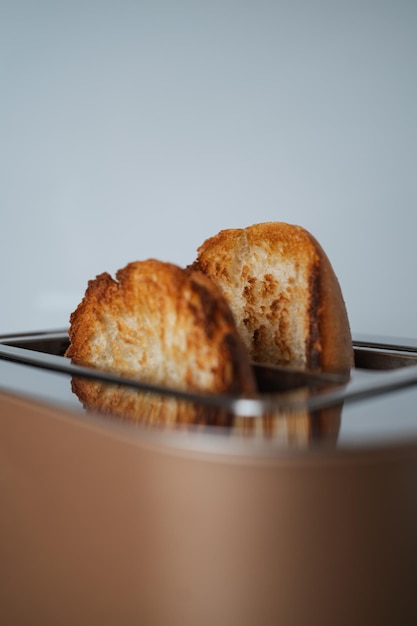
(266,293)
(163,325)
(283,293)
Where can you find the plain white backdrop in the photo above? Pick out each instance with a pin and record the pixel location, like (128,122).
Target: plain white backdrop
(131,130)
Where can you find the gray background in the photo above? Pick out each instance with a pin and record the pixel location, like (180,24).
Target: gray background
(131,130)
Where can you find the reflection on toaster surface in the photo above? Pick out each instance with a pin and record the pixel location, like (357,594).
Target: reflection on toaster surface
(288,427)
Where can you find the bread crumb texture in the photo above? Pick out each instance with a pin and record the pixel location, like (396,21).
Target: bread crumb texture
(161,324)
(283,293)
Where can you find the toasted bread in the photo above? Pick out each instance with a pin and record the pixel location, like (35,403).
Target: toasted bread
(284,295)
(161,324)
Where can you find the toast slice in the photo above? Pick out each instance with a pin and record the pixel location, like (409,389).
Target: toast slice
(284,295)
(163,325)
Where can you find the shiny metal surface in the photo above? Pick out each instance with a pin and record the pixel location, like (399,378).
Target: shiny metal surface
(381,369)
(103,522)
(100,525)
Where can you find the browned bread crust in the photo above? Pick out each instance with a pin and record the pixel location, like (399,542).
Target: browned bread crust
(284,295)
(161,324)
